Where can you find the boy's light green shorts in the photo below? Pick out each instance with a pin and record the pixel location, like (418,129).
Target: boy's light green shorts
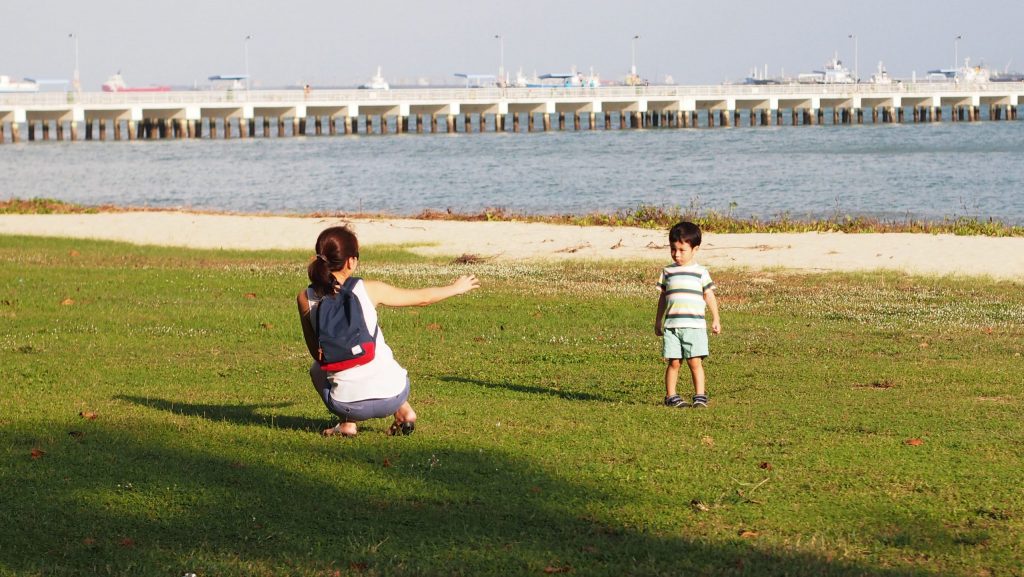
(685,343)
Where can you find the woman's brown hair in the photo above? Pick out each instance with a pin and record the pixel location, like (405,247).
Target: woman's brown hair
(334,247)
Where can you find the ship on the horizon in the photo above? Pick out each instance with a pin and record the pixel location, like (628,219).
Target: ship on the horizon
(22,87)
(761,78)
(376,83)
(116,83)
(834,73)
(967,74)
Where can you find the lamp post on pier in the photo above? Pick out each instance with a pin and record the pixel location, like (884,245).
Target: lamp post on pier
(502,81)
(248,37)
(76,83)
(633,78)
(856,59)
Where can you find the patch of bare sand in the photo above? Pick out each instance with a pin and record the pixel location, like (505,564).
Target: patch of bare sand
(1001,258)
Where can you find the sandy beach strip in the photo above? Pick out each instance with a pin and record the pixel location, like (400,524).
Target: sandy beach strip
(1000,258)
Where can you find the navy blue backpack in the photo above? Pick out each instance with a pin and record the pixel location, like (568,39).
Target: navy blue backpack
(345,339)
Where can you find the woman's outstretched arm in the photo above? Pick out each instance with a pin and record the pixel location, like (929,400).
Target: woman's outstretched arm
(382,293)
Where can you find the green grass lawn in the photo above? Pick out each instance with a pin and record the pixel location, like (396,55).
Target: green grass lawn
(863,424)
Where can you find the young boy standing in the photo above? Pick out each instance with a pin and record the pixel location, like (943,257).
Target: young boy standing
(686,291)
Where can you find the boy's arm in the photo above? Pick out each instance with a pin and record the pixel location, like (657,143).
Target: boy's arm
(384,294)
(712,302)
(660,318)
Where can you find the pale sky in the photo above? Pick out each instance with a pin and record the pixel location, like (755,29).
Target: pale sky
(341,42)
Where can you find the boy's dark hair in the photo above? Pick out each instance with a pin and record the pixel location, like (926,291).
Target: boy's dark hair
(686,232)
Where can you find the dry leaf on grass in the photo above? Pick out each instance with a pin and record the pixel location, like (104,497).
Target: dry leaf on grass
(915,442)
(250,295)
(68,301)
(550,569)
(36,453)
(88,415)
(748,534)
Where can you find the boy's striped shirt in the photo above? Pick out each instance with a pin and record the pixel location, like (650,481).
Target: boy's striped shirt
(684,288)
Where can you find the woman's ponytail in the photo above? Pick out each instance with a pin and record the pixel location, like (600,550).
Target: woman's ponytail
(334,247)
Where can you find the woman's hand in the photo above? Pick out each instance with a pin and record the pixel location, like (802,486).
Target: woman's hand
(464,284)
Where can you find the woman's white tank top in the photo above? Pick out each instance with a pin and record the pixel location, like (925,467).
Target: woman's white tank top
(382,377)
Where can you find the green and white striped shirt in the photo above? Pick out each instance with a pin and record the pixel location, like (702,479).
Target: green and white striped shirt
(684,288)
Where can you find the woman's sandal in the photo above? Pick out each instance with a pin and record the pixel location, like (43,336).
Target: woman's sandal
(405,428)
(336,431)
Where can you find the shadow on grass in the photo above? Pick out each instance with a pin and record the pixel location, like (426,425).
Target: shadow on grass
(238,414)
(533,390)
(400,506)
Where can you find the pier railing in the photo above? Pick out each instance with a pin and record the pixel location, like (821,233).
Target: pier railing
(415,95)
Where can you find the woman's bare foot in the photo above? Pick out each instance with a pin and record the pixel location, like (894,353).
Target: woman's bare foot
(342,430)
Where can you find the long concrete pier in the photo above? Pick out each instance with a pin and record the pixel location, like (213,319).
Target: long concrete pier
(279,113)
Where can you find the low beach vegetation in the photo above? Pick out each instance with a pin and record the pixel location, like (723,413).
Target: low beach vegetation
(643,216)
(158,419)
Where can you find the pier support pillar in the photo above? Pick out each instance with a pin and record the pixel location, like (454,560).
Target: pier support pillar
(117,130)
(88,130)
(3,128)
(450,124)
(280,127)
(31,131)
(46,129)
(15,133)
(546,118)
(402,124)
(515,123)
(419,123)
(622,120)
(530,121)
(385,126)
(561,121)
(499,123)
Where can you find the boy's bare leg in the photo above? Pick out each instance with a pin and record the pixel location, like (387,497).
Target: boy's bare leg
(697,371)
(671,377)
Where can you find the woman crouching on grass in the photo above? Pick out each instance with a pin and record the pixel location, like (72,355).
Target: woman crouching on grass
(379,387)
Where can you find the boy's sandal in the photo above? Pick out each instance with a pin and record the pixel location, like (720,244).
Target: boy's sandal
(675,401)
(405,428)
(700,402)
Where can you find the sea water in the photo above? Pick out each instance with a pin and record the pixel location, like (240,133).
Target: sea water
(893,172)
